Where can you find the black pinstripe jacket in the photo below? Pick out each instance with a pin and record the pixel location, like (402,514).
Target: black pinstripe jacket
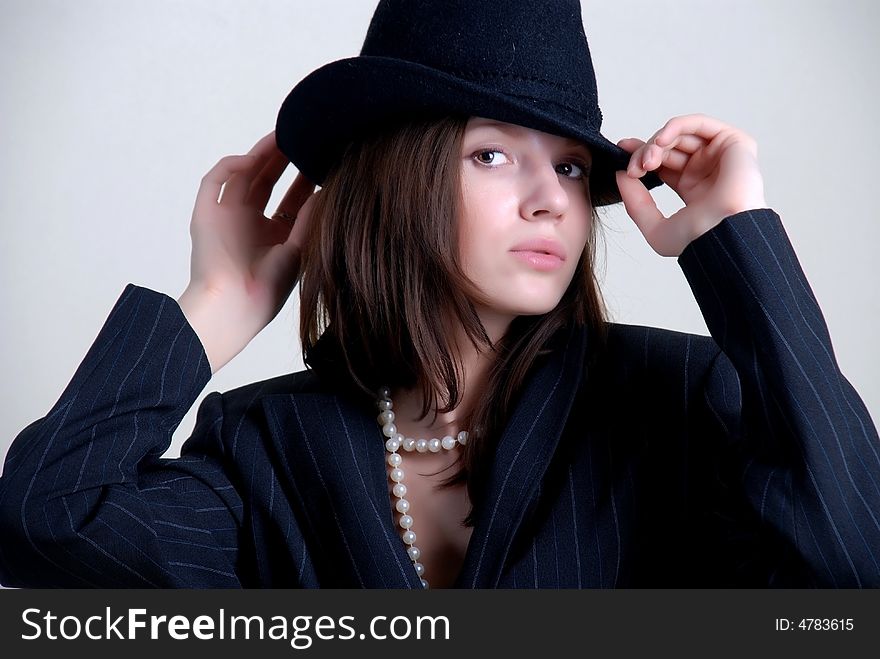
(741,459)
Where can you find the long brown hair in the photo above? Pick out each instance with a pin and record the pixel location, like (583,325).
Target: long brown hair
(381,280)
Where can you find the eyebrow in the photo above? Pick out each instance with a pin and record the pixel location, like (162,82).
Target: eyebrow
(508,128)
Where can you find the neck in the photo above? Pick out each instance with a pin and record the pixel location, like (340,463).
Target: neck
(475,371)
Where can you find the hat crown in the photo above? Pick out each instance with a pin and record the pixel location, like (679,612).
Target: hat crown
(533,49)
(524,62)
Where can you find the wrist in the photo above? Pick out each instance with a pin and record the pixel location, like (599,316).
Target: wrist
(216,323)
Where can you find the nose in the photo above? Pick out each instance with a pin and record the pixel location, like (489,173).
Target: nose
(546,195)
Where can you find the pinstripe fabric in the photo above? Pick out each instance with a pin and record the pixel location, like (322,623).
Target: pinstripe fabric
(740,459)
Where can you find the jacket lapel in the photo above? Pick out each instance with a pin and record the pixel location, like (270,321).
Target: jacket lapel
(524,451)
(332,452)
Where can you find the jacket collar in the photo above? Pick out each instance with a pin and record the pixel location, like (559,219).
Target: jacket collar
(331,451)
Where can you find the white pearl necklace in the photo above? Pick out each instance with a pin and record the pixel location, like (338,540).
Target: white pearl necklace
(394,442)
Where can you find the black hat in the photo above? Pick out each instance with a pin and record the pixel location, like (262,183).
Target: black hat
(523,62)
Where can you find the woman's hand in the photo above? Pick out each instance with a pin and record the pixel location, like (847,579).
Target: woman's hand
(711,165)
(244,265)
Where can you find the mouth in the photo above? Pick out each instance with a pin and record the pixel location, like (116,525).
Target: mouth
(538,260)
(543,245)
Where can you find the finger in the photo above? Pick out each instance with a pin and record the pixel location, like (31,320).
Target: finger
(237,187)
(690,149)
(639,203)
(638,162)
(297,195)
(210,188)
(638,149)
(300,229)
(633,146)
(701,125)
(630,144)
(685,143)
(298,232)
(689,133)
(666,158)
(688,143)
(264,182)
(650,157)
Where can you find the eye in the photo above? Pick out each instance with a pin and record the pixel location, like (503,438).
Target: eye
(487,151)
(574,165)
(578,166)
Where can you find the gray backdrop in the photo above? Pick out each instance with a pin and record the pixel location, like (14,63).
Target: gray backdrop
(111,112)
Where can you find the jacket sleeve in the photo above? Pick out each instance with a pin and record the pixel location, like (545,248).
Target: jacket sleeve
(86,499)
(799,458)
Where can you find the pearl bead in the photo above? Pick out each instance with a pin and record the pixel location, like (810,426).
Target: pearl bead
(395,441)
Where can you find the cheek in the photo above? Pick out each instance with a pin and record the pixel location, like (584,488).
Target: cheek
(466,240)
(581,231)
(473,244)
(578,241)
(482,228)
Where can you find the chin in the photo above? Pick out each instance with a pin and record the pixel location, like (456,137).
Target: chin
(536,312)
(536,309)
(536,304)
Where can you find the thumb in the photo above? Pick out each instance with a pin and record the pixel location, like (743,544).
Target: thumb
(639,203)
(300,230)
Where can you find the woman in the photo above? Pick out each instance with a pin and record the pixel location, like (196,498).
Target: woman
(573,452)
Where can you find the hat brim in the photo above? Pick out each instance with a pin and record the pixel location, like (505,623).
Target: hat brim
(345,99)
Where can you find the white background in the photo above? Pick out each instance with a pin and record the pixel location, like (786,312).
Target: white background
(111,112)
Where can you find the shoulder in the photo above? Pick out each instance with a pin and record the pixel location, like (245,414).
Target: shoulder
(655,353)
(241,398)
(628,338)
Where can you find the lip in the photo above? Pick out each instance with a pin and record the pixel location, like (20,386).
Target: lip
(541,246)
(540,253)
(539,260)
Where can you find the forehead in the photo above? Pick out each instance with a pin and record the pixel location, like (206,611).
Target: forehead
(475,123)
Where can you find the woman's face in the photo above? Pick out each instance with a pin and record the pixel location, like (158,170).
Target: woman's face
(521,184)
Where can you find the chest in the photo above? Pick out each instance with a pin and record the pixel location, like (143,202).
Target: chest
(437,519)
